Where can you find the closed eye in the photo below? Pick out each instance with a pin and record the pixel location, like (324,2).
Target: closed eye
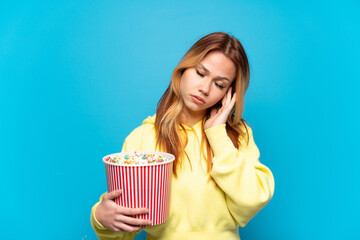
(202,75)
(220,86)
(216,84)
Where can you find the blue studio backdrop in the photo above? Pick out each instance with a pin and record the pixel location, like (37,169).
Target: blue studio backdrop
(78,76)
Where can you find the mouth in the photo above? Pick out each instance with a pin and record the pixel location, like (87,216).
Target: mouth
(197,99)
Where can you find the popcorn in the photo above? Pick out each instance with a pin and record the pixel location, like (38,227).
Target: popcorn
(144,178)
(136,158)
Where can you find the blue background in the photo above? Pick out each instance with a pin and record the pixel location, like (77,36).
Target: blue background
(78,76)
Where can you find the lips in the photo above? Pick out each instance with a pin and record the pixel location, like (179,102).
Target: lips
(197,99)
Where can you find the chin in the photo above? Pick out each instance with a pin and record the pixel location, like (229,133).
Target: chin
(197,110)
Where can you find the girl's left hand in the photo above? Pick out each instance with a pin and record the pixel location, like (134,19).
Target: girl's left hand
(221,116)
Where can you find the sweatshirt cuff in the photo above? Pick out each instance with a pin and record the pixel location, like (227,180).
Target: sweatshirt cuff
(219,140)
(93,219)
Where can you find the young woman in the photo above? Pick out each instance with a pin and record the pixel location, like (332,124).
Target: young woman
(218,182)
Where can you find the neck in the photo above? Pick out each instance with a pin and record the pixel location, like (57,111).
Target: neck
(190,118)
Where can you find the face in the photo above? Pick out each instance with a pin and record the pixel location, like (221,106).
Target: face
(202,86)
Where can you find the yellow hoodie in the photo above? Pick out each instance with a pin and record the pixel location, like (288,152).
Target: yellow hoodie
(200,209)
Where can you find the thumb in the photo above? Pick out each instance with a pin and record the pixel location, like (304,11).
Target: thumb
(113,194)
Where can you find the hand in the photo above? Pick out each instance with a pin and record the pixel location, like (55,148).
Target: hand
(221,116)
(118,218)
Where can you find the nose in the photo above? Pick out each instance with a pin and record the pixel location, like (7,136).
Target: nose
(205,87)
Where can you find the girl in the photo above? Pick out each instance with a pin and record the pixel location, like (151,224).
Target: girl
(218,182)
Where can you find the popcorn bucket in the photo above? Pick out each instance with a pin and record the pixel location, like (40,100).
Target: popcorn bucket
(143,185)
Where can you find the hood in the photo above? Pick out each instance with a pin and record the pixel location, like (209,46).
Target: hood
(150,119)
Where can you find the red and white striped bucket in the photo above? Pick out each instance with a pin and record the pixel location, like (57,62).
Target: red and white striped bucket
(142,185)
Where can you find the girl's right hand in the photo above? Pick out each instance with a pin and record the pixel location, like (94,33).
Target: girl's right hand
(118,218)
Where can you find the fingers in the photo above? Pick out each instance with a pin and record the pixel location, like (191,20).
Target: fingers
(133,211)
(223,100)
(233,100)
(113,194)
(122,227)
(133,221)
(230,102)
(226,98)
(126,223)
(213,112)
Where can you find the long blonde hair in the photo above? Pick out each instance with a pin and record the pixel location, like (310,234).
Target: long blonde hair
(170,106)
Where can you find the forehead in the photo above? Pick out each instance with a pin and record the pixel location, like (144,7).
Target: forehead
(219,65)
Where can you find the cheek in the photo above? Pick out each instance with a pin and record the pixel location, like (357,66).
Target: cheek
(182,84)
(185,83)
(221,95)
(217,98)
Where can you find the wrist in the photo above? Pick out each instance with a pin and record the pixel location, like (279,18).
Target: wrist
(95,216)
(97,213)
(219,125)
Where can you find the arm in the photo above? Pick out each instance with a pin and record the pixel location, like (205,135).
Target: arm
(105,234)
(111,210)
(248,185)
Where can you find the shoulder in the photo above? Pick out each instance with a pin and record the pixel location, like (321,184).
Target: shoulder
(246,132)
(139,131)
(148,124)
(142,137)
(247,139)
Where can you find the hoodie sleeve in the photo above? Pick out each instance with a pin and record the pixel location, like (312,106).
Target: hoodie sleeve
(101,232)
(105,234)
(248,185)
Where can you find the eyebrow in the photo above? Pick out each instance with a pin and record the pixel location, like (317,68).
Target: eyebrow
(207,71)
